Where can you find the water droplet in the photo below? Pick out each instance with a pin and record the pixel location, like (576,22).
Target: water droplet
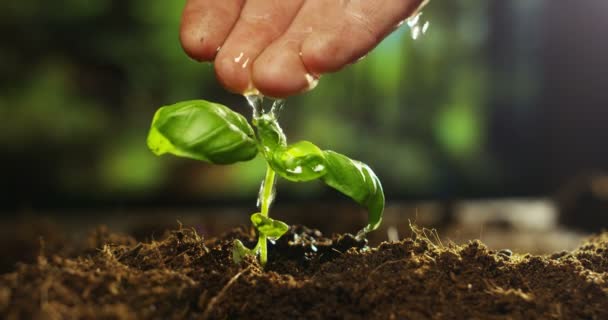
(238,59)
(271,197)
(318,168)
(276,108)
(415,32)
(251,93)
(413,20)
(361,235)
(258,202)
(255,99)
(416,29)
(425,27)
(312,81)
(296,170)
(361,58)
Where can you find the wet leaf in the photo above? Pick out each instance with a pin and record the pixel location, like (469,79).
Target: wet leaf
(271,228)
(301,161)
(204,131)
(356,180)
(270,134)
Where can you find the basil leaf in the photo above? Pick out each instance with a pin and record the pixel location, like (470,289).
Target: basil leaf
(271,228)
(239,251)
(356,180)
(270,134)
(202,130)
(301,161)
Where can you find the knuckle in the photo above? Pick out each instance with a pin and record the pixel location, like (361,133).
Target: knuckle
(261,22)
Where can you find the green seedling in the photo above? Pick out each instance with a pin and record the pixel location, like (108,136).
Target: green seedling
(213,133)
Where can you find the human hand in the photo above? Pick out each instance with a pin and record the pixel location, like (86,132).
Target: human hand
(280,47)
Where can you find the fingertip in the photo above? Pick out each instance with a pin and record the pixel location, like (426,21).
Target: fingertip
(280,76)
(332,51)
(233,71)
(321,54)
(197,44)
(205,24)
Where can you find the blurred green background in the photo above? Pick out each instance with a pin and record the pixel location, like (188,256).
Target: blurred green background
(481,105)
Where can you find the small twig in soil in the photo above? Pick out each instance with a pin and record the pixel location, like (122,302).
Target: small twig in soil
(384,265)
(221,294)
(493,288)
(158,253)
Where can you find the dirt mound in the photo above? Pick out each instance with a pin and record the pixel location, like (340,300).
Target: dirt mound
(309,277)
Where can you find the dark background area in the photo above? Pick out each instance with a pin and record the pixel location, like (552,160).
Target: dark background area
(497,99)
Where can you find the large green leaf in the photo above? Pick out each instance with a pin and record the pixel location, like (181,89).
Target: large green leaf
(303,161)
(203,131)
(356,180)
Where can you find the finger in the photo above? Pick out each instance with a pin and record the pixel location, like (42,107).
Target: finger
(205,26)
(352,32)
(278,71)
(260,23)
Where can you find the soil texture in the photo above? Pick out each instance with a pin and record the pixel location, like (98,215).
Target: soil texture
(309,276)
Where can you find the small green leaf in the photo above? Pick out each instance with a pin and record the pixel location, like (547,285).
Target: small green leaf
(270,134)
(203,131)
(356,180)
(271,228)
(239,251)
(301,161)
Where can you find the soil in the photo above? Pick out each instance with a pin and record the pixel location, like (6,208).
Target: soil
(309,276)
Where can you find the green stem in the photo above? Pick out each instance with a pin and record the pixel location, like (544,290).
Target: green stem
(265,201)
(267,191)
(263,249)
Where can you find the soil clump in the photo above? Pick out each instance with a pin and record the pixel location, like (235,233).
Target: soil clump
(309,276)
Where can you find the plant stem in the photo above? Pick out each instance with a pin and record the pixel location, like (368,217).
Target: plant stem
(266,197)
(267,191)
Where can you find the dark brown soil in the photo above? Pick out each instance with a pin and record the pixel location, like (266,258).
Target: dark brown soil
(184,276)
